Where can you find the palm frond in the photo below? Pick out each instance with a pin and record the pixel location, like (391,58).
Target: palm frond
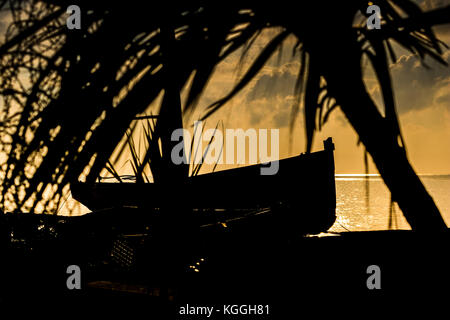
(68,97)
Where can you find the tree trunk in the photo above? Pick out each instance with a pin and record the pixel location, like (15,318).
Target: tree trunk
(170,116)
(345,82)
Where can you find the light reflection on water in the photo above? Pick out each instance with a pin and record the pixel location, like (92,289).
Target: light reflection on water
(354,215)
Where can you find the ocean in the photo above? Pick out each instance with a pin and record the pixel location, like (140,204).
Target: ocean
(357,212)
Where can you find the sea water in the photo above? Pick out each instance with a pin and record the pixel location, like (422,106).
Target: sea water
(358,211)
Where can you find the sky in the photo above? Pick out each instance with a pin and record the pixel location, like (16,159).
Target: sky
(422,97)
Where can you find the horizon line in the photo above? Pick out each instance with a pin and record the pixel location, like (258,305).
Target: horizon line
(378,175)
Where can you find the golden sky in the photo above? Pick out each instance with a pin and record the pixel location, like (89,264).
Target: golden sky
(423,98)
(422,95)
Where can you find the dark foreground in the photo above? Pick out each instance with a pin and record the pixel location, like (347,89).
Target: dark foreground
(323,276)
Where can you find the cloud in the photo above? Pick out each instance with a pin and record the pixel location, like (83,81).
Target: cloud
(444,99)
(272,95)
(432,4)
(427,5)
(273,111)
(5,20)
(417,87)
(277,82)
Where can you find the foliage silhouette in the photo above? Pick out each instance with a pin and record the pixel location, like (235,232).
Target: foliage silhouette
(68,96)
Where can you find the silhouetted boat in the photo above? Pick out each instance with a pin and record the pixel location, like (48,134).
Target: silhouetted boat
(300,196)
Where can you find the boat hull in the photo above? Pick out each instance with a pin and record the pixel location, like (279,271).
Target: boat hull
(301,195)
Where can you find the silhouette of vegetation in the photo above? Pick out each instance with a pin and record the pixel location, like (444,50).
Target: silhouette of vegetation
(139,164)
(68,96)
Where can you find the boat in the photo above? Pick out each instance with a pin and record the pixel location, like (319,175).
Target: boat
(157,234)
(300,197)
